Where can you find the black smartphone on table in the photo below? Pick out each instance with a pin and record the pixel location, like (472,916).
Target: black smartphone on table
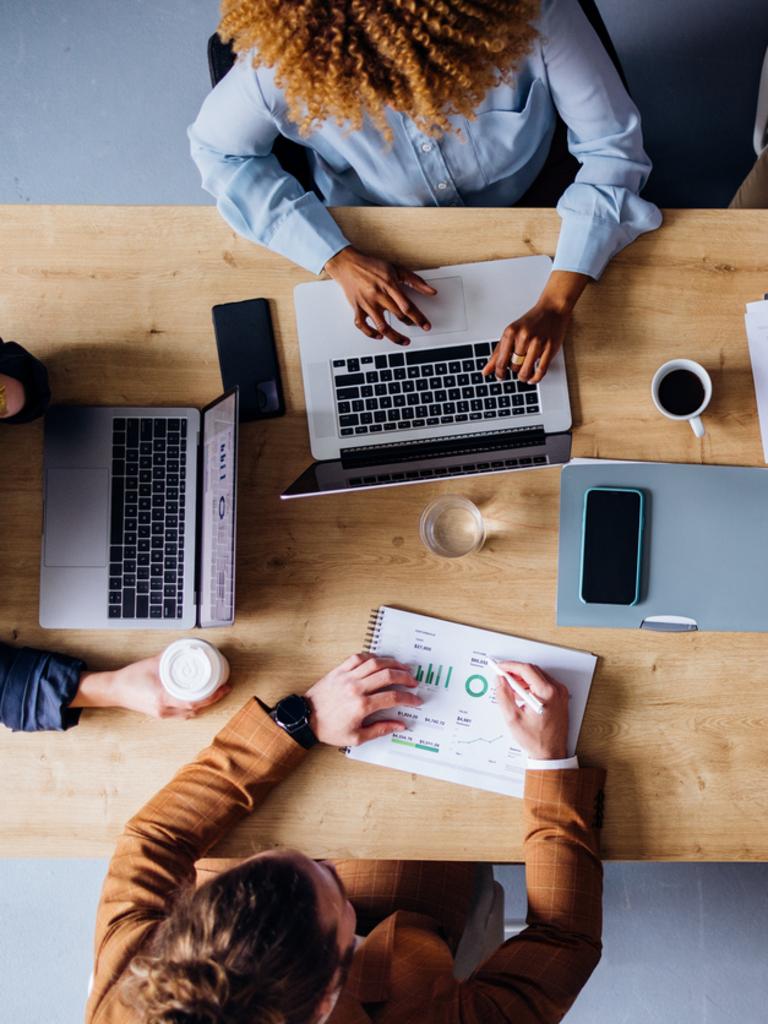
(612,545)
(248,357)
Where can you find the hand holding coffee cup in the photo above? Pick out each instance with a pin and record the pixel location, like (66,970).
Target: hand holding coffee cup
(681,390)
(192,670)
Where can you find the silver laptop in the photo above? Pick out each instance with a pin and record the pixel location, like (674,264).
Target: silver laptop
(381,415)
(139,516)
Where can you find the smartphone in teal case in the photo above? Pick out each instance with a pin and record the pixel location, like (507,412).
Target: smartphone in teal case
(611,545)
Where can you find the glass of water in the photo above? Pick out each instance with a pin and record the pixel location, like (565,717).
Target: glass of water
(452,526)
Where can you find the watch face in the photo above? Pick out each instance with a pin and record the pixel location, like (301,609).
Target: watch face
(292,712)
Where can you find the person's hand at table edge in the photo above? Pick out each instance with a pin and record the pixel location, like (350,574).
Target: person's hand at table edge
(529,344)
(137,687)
(374,287)
(544,736)
(344,699)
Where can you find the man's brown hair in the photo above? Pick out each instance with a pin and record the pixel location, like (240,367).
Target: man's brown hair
(345,60)
(245,948)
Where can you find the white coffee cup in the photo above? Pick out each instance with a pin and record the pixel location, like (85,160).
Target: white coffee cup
(191,670)
(693,417)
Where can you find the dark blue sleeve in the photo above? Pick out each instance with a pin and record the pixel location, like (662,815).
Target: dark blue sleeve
(36,688)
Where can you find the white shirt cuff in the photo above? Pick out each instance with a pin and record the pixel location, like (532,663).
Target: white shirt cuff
(564,762)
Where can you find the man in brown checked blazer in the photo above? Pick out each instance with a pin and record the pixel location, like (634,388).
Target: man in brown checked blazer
(282,939)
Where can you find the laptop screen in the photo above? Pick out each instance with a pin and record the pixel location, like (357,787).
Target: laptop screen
(218,495)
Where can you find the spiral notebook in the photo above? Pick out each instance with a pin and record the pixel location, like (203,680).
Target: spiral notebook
(458,734)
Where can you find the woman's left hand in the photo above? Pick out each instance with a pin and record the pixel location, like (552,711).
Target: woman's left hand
(538,335)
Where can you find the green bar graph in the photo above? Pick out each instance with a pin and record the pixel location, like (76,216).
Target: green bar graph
(433,675)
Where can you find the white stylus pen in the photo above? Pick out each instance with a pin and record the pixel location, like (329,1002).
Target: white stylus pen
(523,694)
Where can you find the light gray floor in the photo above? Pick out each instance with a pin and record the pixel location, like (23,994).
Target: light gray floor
(683,944)
(93,109)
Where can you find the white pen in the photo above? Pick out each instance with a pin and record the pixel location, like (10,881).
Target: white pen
(523,694)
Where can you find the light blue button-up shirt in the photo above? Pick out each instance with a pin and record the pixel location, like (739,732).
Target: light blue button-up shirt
(490,161)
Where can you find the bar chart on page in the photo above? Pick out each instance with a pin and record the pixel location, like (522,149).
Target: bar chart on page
(434,675)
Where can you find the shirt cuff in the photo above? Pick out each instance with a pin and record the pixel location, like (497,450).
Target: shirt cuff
(38,688)
(561,764)
(308,235)
(597,224)
(585,245)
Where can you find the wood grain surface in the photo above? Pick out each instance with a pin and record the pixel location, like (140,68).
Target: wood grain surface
(117,302)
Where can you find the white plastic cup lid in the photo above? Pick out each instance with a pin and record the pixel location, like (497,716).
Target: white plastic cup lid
(192,670)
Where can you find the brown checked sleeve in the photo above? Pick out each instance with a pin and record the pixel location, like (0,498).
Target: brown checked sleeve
(536,976)
(157,850)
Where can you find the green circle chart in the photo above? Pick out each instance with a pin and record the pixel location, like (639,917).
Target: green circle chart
(476,686)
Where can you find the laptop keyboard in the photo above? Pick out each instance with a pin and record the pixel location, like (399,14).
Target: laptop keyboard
(146,552)
(425,388)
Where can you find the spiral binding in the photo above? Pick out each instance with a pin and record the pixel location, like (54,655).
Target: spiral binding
(373,630)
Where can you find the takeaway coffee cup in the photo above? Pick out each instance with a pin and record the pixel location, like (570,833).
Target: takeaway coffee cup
(681,390)
(191,670)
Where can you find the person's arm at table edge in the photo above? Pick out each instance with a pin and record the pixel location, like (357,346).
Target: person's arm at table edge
(536,975)
(602,211)
(159,846)
(43,690)
(37,688)
(231,144)
(157,850)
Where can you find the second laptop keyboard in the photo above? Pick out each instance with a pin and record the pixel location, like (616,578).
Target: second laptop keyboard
(146,553)
(425,388)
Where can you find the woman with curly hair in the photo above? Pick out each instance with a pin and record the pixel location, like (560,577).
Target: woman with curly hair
(440,103)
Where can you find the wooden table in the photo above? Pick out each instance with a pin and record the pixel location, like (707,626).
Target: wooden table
(117,302)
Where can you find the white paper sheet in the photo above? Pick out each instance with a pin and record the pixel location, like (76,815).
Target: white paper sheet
(756,322)
(459,733)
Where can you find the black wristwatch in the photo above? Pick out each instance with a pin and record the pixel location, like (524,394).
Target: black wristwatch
(293,714)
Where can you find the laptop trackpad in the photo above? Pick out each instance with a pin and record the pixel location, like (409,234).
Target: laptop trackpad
(446,311)
(76,517)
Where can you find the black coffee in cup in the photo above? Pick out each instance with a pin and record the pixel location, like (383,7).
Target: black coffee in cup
(681,393)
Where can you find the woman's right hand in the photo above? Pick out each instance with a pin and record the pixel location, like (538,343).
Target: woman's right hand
(545,736)
(373,287)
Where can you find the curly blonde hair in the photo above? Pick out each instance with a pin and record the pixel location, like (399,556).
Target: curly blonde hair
(342,61)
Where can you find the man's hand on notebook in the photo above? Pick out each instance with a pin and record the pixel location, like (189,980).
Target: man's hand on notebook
(544,736)
(342,700)
(538,335)
(373,287)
